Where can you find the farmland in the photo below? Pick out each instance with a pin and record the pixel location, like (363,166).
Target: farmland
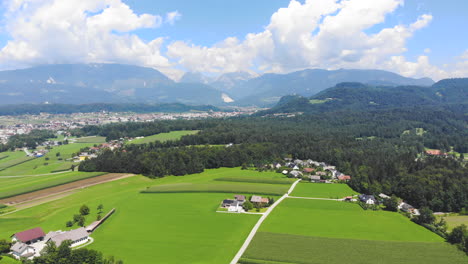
(456,220)
(174,135)
(343,220)
(323,250)
(16,186)
(317,231)
(93,140)
(150,226)
(322,190)
(53,161)
(266,189)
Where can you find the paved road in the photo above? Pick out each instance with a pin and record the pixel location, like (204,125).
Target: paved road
(312,198)
(259,223)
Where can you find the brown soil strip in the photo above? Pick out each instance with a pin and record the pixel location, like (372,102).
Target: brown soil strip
(42,195)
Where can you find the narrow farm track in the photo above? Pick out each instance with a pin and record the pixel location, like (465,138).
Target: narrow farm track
(22,199)
(313,198)
(244,247)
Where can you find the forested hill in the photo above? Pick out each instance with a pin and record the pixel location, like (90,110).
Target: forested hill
(357,96)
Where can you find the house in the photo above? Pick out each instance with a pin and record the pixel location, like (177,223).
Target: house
(29,236)
(20,249)
(227,203)
(344,177)
(367,199)
(236,206)
(435,152)
(384,196)
(321,173)
(408,208)
(295,173)
(77,237)
(277,165)
(285,172)
(256,199)
(348,198)
(239,198)
(314,178)
(308,170)
(265,200)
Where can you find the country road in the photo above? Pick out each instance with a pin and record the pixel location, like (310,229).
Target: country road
(259,223)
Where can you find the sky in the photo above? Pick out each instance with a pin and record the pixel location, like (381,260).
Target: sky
(417,38)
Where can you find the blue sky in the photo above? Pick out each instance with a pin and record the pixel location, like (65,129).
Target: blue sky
(210,36)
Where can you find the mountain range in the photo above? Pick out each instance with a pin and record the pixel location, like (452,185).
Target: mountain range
(117,83)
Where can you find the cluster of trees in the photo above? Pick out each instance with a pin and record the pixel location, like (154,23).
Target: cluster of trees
(371,146)
(79,219)
(121,130)
(31,140)
(64,255)
(459,237)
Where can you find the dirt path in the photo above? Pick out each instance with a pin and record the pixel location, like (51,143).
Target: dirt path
(239,254)
(53,193)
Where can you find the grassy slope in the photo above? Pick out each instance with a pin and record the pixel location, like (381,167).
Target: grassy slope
(36,166)
(343,220)
(93,140)
(322,190)
(174,135)
(213,187)
(170,228)
(320,250)
(8,260)
(15,186)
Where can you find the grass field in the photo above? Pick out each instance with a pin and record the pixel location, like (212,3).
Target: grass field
(245,188)
(38,165)
(456,220)
(16,186)
(93,140)
(8,260)
(323,190)
(343,220)
(257,180)
(318,231)
(322,250)
(167,227)
(174,135)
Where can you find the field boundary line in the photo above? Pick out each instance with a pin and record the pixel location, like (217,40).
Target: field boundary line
(314,198)
(254,230)
(36,175)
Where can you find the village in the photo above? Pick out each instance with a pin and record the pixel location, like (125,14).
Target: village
(24,124)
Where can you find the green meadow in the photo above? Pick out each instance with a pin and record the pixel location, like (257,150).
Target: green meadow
(322,190)
(46,164)
(173,135)
(456,220)
(149,228)
(9,260)
(343,220)
(257,180)
(323,250)
(319,231)
(20,185)
(250,188)
(93,140)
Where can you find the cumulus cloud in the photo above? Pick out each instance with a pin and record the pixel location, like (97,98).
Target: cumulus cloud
(315,34)
(326,34)
(172,17)
(55,31)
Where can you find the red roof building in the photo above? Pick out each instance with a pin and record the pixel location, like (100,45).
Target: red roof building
(344,177)
(308,170)
(29,236)
(435,152)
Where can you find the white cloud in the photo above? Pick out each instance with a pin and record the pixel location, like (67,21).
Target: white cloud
(326,34)
(172,17)
(315,34)
(427,50)
(56,31)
